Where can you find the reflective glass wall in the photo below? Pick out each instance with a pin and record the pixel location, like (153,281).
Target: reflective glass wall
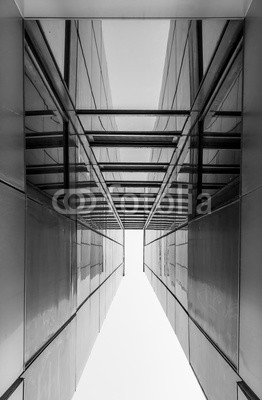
(192,238)
(12,201)
(61,240)
(74,257)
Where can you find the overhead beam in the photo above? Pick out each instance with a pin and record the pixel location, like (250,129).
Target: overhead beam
(133,143)
(129,203)
(40,113)
(222,135)
(134,133)
(133,167)
(44,142)
(227,114)
(212,169)
(124,208)
(135,184)
(54,169)
(163,204)
(146,184)
(208,142)
(148,195)
(60,185)
(127,112)
(127,184)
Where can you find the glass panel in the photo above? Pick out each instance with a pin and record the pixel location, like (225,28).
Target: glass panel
(214,274)
(11,96)
(12,242)
(52,375)
(54,31)
(44,133)
(222,384)
(48,275)
(212,30)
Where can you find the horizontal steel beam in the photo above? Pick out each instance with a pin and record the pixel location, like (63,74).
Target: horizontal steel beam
(126,184)
(208,142)
(217,140)
(145,184)
(133,143)
(126,210)
(60,185)
(130,184)
(133,167)
(147,195)
(46,140)
(174,217)
(50,134)
(44,143)
(212,169)
(121,195)
(228,114)
(134,133)
(143,204)
(54,169)
(171,212)
(125,112)
(126,204)
(40,113)
(222,135)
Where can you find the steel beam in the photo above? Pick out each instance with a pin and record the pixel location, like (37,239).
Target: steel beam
(222,143)
(44,142)
(40,113)
(227,114)
(212,169)
(134,184)
(133,167)
(54,169)
(125,112)
(133,143)
(134,133)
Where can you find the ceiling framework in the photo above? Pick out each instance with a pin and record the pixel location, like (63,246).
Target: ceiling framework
(157,195)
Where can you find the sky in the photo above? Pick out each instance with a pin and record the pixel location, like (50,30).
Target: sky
(137,355)
(135,52)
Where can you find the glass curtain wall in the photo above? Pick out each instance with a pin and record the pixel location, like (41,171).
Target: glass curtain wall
(74,239)
(192,236)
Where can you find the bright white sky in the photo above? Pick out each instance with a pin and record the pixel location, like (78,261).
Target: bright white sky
(135,53)
(137,355)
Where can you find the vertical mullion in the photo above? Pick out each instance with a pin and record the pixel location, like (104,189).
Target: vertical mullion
(200,123)
(66,124)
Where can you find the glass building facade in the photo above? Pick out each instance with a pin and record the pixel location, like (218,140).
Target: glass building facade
(71,183)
